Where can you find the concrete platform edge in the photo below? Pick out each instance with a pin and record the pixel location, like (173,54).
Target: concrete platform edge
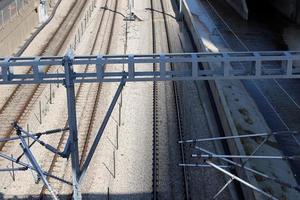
(223,110)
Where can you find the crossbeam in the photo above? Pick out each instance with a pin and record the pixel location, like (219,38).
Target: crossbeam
(237,65)
(133,68)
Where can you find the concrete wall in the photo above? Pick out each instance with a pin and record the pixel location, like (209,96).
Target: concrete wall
(235,148)
(18,29)
(289,8)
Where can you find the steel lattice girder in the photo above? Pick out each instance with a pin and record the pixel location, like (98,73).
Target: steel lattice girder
(238,65)
(124,68)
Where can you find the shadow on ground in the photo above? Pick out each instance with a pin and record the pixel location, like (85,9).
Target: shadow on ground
(89,196)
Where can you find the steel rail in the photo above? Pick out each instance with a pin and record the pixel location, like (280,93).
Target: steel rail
(245,47)
(33,36)
(40,53)
(99,87)
(178,111)
(160,67)
(78,93)
(155,161)
(19,87)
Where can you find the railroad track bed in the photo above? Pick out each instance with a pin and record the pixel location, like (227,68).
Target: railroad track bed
(56,44)
(88,96)
(87,101)
(168,179)
(22,98)
(193,117)
(168,126)
(178,111)
(256,34)
(39,43)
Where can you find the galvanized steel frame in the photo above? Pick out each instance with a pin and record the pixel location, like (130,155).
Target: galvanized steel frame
(259,65)
(226,66)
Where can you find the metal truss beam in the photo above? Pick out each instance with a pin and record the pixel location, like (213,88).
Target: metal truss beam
(243,65)
(134,68)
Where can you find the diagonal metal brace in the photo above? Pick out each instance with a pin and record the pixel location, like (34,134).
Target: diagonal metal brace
(286,184)
(37,139)
(14,169)
(12,159)
(35,164)
(232,176)
(101,130)
(49,132)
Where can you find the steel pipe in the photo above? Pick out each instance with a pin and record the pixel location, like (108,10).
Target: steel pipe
(240,136)
(296,187)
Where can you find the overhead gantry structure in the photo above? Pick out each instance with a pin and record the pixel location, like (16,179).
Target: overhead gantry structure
(131,68)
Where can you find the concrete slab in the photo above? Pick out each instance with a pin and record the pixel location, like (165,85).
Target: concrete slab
(239,113)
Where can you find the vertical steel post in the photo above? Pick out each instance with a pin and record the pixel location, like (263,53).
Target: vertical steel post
(73,137)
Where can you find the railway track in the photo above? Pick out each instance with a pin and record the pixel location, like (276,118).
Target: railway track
(87,98)
(166,48)
(275,99)
(23,97)
(238,41)
(238,38)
